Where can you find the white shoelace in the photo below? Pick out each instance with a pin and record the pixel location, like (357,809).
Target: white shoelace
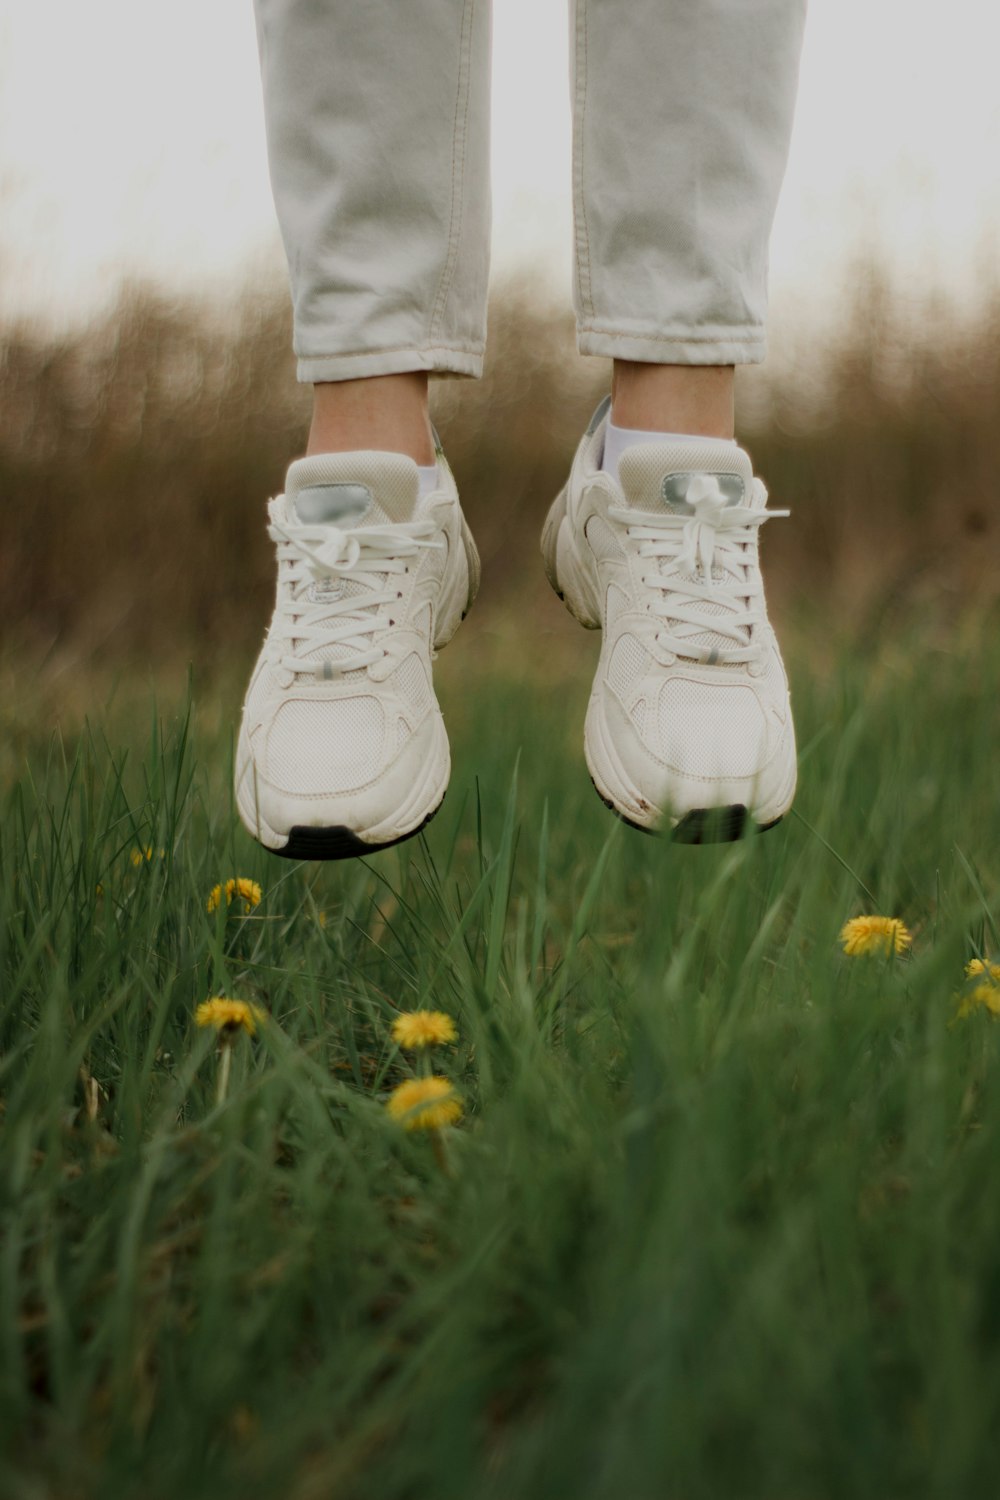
(367,556)
(692,552)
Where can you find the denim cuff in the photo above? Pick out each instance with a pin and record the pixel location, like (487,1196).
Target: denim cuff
(439,359)
(713,346)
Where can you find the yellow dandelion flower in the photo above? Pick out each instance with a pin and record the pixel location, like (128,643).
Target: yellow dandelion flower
(977,966)
(244,1422)
(986,995)
(143,856)
(423,1028)
(424,1103)
(248,891)
(875,935)
(227,1016)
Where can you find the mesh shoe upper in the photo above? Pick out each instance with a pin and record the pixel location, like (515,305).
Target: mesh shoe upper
(341,700)
(329,732)
(688,518)
(690,702)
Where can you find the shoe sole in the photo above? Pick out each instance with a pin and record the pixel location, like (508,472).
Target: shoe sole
(702,825)
(326,844)
(699,825)
(333,841)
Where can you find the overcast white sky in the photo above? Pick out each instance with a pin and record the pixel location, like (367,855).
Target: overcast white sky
(131,140)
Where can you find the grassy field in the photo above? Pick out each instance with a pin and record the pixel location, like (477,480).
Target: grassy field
(720,1218)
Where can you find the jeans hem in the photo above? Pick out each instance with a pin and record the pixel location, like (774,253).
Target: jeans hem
(439,359)
(732,346)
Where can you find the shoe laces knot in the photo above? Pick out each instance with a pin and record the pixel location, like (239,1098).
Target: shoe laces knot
(701,531)
(338,553)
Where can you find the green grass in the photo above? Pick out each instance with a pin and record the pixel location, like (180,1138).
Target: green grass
(721,1218)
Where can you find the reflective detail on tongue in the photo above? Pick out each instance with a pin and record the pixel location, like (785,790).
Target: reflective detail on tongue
(645,468)
(390,479)
(328,503)
(675,487)
(680,492)
(344,491)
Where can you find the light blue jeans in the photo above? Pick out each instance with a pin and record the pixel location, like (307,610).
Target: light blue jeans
(377,118)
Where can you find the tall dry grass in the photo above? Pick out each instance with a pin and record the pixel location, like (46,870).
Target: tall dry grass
(136,455)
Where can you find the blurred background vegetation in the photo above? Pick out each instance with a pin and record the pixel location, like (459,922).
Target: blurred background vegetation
(137,452)
(720,1221)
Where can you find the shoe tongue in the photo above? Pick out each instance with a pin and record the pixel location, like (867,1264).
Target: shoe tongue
(657,476)
(349,489)
(352,489)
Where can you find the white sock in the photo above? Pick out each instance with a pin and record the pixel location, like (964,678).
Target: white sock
(428,478)
(617,439)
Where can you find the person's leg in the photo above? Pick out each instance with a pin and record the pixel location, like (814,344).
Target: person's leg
(387,412)
(680,145)
(377,129)
(682,121)
(682,118)
(673,398)
(377,119)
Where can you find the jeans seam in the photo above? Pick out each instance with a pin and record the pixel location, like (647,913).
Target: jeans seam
(583,266)
(395,349)
(735,336)
(457,166)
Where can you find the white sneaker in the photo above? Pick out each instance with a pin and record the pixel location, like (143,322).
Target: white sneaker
(342,748)
(689,725)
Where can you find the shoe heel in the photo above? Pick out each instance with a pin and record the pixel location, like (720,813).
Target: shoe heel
(550,540)
(562,568)
(452,615)
(472,558)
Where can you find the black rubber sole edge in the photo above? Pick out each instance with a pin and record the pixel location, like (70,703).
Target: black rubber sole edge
(339,843)
(702,825)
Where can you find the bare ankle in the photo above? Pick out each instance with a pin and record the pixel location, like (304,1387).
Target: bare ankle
(387,413)
(673,398)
